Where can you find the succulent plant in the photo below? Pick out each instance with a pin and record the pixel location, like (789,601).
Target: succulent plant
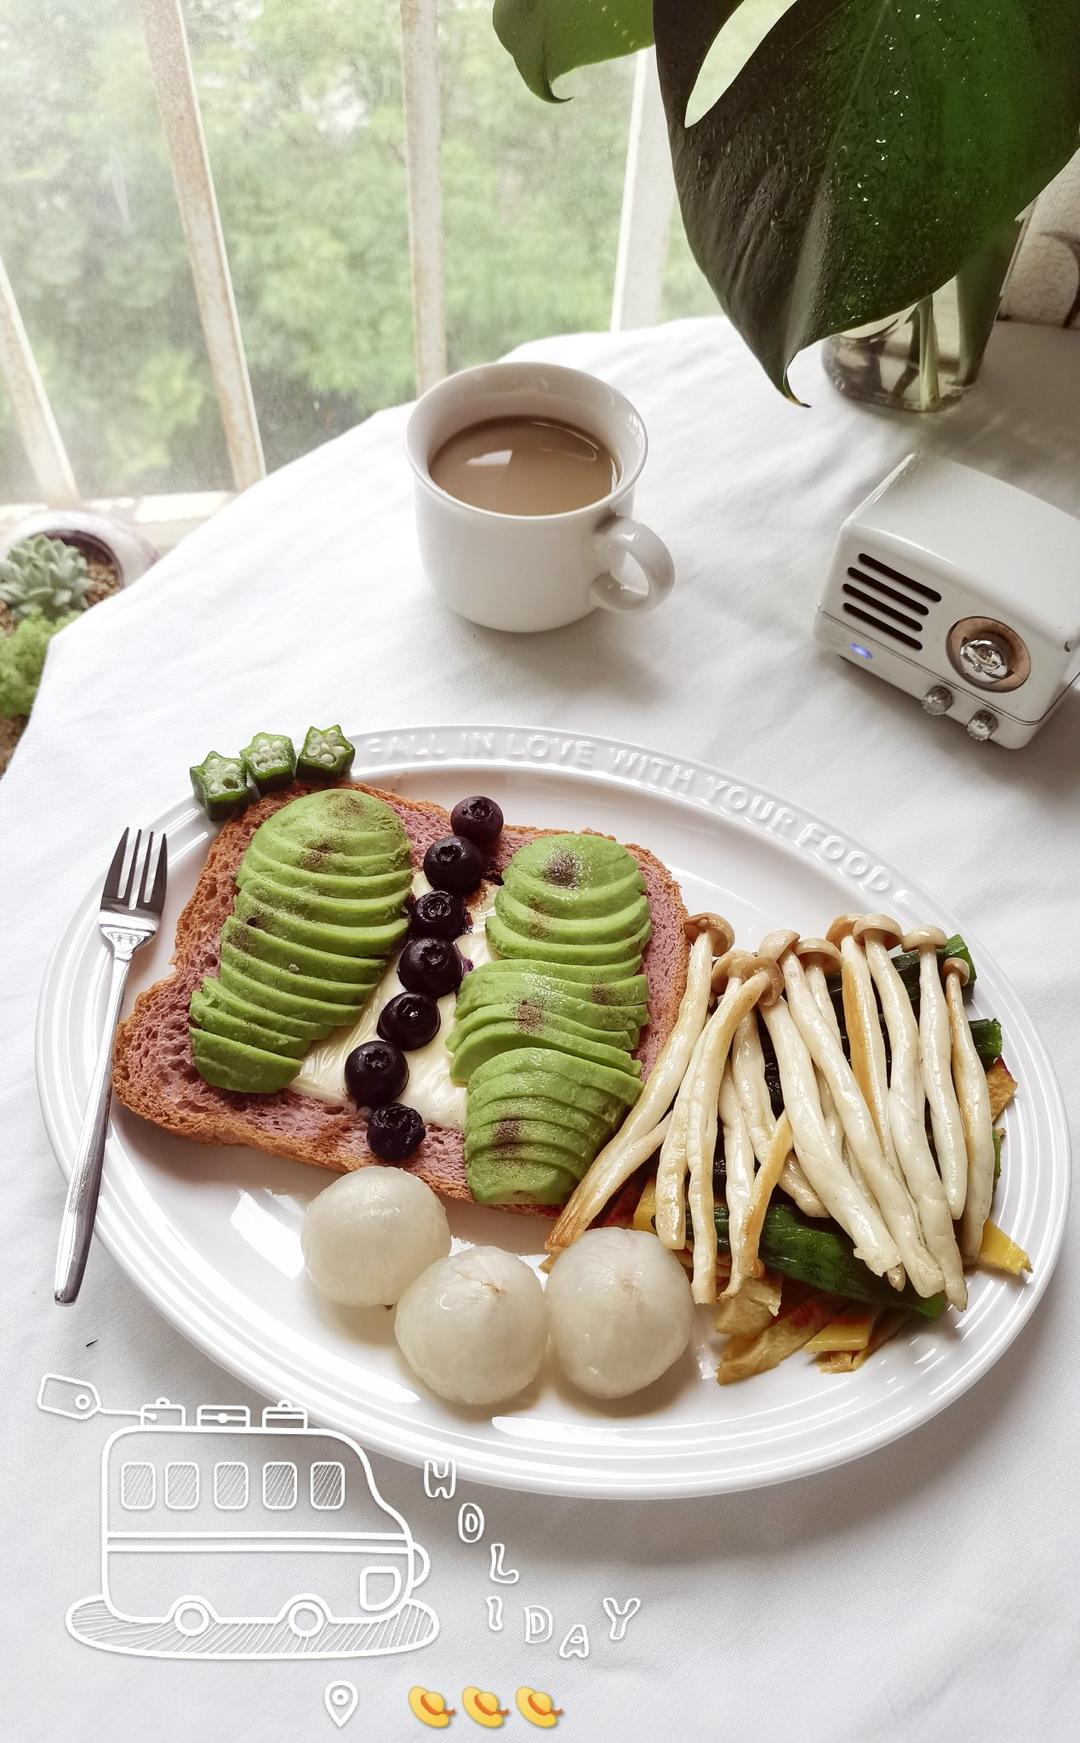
(44,575)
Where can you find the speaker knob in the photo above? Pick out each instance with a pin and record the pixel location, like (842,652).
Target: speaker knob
(982,726)
(938,699)
(985,659)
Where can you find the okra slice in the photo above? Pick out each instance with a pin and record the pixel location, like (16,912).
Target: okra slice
(220,785)
(326,754)
(270,760)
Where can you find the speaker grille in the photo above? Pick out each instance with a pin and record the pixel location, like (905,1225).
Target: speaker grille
(894,604)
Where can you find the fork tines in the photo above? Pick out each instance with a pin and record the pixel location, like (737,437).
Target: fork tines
(119,891)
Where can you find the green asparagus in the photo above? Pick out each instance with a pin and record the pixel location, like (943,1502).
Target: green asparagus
(819,1253)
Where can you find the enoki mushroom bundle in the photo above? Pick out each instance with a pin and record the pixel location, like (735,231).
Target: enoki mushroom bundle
(852,1141)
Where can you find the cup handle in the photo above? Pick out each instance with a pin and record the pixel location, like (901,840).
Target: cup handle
(621,536)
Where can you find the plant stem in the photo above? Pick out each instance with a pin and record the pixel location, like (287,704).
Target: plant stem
(929,380)
(979,284)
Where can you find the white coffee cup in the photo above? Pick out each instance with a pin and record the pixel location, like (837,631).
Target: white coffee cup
(533,572)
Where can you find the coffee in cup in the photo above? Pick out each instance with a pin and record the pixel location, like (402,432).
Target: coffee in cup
(524,480)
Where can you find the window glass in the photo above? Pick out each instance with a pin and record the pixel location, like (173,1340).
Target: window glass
(279,1485)
(327,1484)
(92,241)
(303,115)
(182,1486)
(230,1486)
(137,1486)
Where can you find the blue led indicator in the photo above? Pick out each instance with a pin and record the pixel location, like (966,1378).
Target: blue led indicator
(863,653)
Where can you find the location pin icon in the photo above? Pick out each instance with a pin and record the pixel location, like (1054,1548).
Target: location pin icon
(339,1699)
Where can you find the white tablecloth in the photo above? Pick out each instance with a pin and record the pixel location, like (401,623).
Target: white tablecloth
(929,1591)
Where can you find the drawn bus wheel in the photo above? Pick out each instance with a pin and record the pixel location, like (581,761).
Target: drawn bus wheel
(306,1617)
(191,1616)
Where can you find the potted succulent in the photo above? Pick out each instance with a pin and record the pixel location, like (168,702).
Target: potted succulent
(865,157)
(114,554)
(45,582)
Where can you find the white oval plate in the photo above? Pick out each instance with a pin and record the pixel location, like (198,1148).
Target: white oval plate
(212,1236)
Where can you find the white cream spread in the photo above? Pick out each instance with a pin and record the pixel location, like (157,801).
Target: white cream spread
(429,1089)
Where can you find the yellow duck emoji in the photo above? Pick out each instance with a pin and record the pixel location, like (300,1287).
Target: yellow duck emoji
(538,1708)
(483,1706)
(430,1708)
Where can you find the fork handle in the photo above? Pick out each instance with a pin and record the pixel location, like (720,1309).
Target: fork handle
(77,1227)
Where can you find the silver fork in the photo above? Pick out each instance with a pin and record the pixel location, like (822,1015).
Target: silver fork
(127,921)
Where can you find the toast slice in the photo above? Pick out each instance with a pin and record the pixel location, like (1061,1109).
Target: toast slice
(154,1074)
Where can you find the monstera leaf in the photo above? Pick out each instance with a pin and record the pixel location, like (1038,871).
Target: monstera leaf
(866,150)
(550,37)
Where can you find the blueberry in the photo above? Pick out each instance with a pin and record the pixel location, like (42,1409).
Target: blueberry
(479,819)
(454,864)
(409,1020)
(375,1072)
(394,1132)
(438,914)
(430,965)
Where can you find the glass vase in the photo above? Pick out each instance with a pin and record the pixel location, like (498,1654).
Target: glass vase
(928,356)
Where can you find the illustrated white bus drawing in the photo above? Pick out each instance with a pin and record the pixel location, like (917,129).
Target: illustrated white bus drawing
(224,1538)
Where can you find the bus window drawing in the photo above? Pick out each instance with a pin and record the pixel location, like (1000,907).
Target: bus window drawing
(223,1538)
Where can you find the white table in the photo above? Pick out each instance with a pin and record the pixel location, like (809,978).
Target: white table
(928,1591)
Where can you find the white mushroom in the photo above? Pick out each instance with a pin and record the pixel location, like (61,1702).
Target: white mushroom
(749,980)
(822,1162)
(765,1180)
(714,927)
(935,1057)
(748,1073)
(974,1098)
(878,1172)
(739,1168)
(670,1214)
(619,1158)
(774,946)
(863,1026)
(820,959)
(811,952)
(670,1198)
(877,934)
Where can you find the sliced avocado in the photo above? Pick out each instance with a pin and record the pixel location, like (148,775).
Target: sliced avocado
(340,812)
(358,885)
(555,899)
(205,1014)
(620,959)
(525,1132)
(309,904)
(493,1181)
(586,1072)
(589,1129)
(530,1001)
(217,997)
(324,860)
(337,830)
(548,994)
(320,906)
(587,982)
(498,1037)
(622,921)
(338,940)
(236,979)
(300,986)
(348,974)
(233,1065)
(501,1081)
(573,862)
(349,994)
(544,1025)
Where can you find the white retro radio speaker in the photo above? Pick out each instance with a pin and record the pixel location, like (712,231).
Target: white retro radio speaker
(963,591)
